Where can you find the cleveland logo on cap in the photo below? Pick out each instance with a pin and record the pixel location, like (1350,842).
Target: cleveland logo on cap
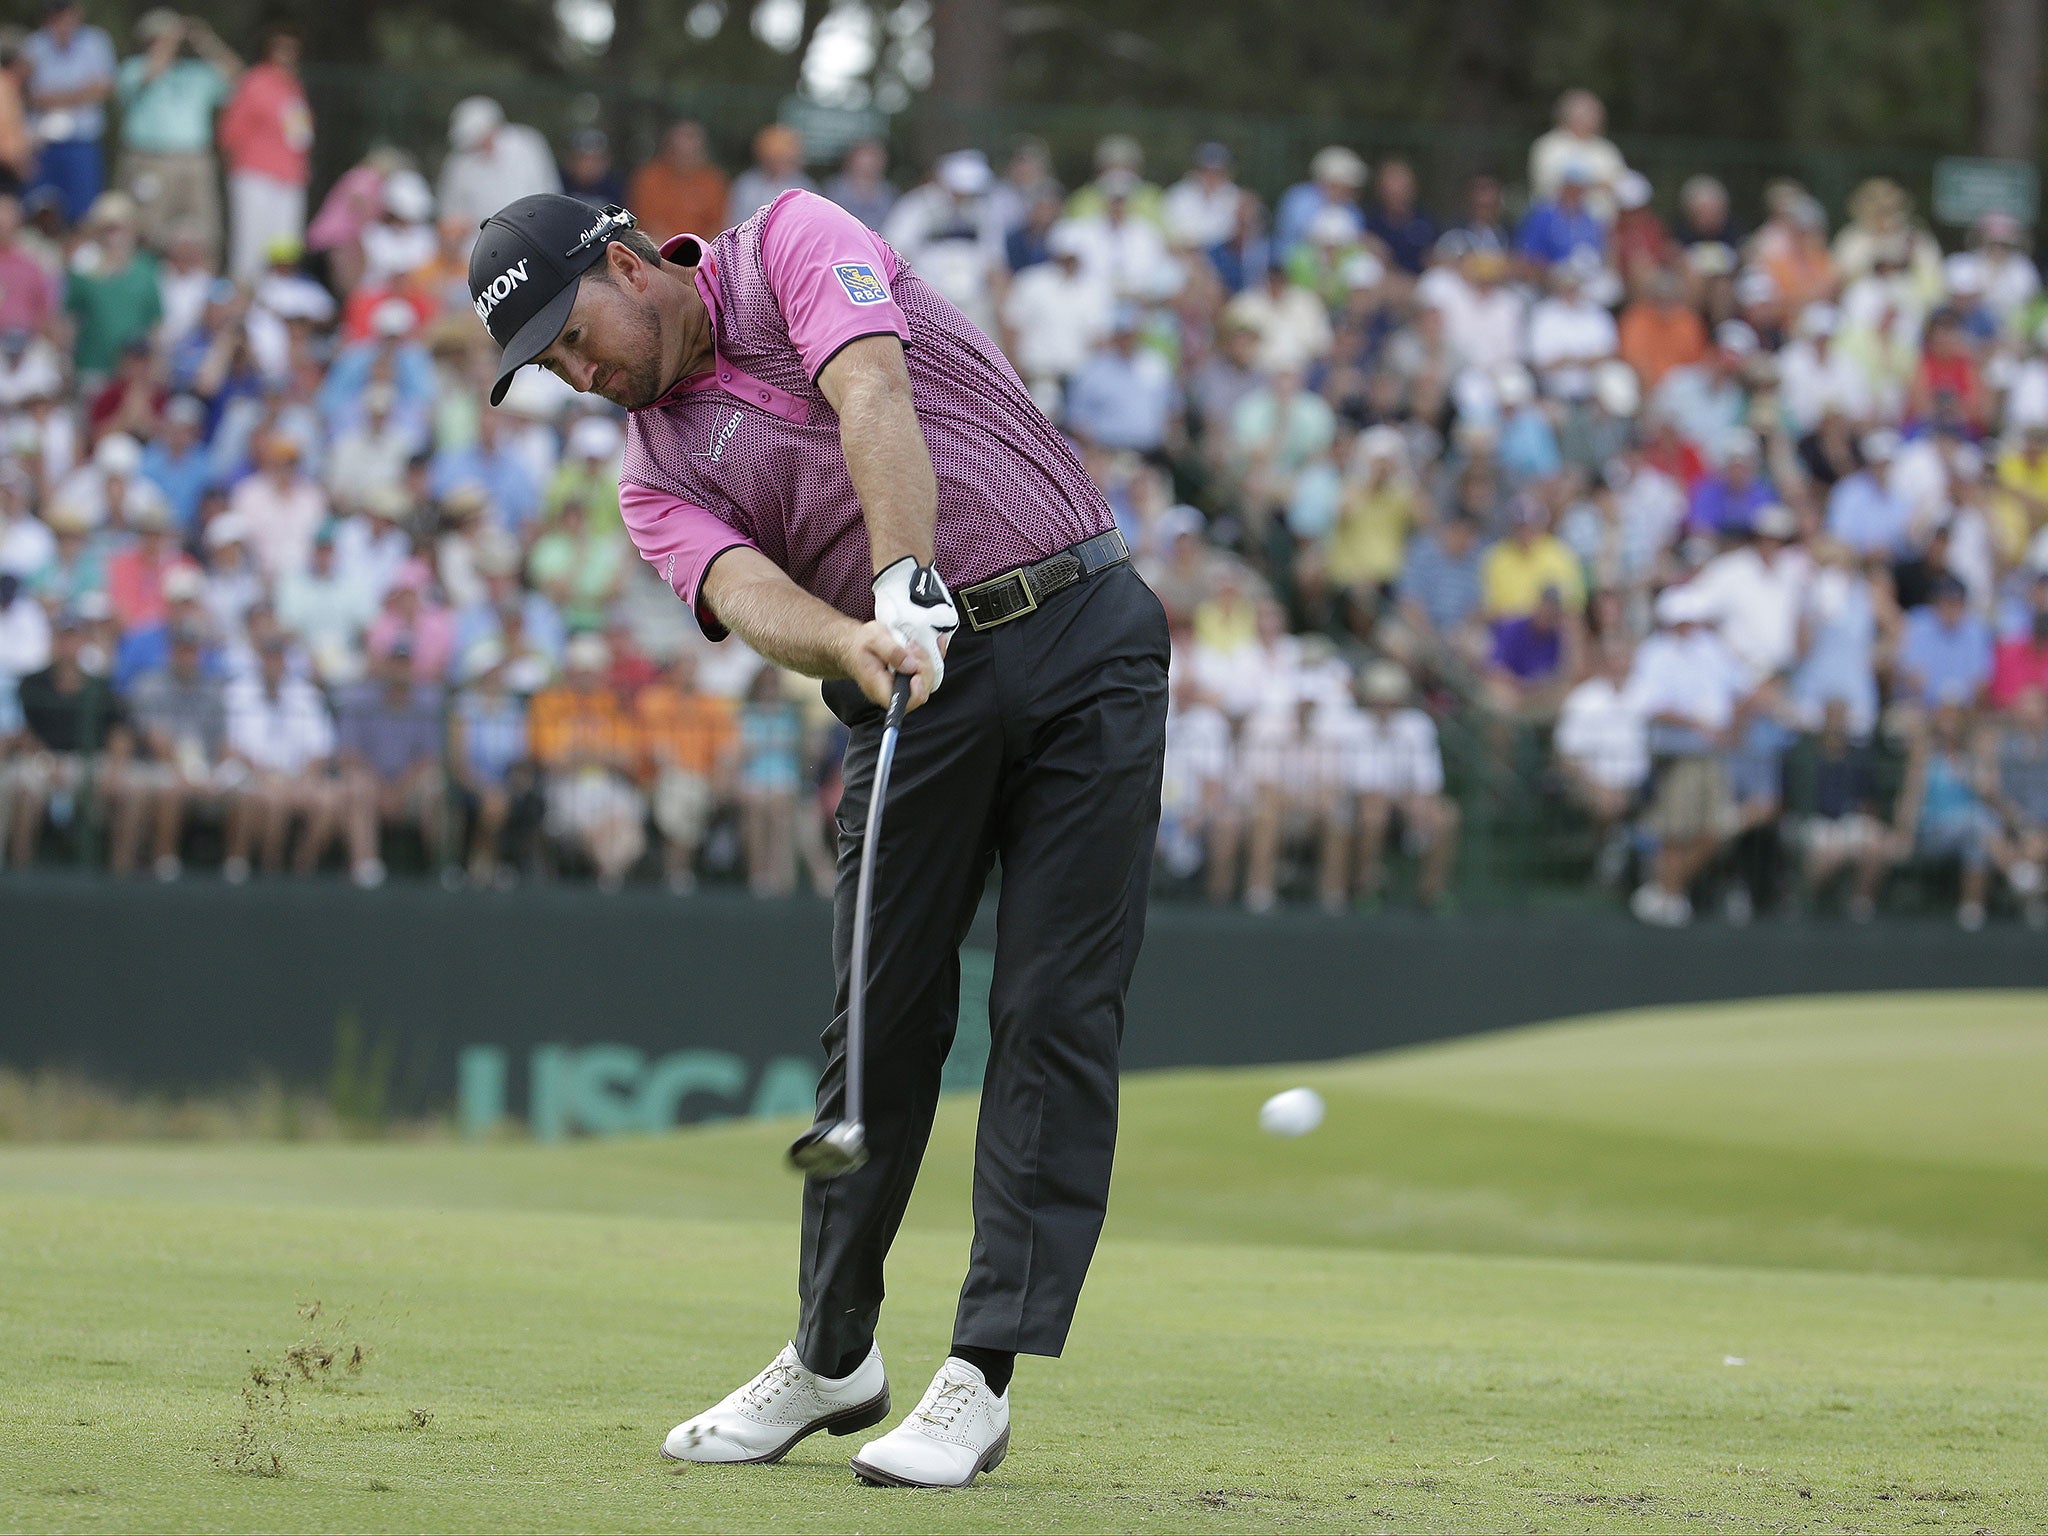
(497,288)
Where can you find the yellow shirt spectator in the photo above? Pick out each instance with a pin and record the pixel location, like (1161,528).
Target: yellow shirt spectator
(1515,571)
(1371,536)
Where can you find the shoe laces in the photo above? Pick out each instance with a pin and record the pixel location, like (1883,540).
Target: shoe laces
(759,1392)
(949,1395)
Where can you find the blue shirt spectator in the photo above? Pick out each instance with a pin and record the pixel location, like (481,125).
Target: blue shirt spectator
(1124,396)
(1335,175)
(65,58)
(1866,516)
(514,493)
(176,462)
(1408,233)
(1944,649)
(1728,502)
(1441,578)
(1557,231)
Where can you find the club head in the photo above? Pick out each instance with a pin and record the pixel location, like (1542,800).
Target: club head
(829,1149)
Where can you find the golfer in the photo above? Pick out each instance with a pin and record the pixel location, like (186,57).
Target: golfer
(826,458)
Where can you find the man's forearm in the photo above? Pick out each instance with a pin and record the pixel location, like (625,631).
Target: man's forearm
(759,603)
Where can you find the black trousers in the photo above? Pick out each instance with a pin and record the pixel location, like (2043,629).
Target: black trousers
(1042,748)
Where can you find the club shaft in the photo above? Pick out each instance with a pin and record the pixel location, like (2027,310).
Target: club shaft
(854,1109)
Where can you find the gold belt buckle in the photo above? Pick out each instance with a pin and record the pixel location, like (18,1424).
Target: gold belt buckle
(1023,580)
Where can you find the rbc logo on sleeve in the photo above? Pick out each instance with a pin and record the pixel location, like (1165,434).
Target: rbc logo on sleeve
(861,282)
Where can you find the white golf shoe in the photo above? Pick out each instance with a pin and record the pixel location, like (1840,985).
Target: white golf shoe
(786,1402)
(959,1430)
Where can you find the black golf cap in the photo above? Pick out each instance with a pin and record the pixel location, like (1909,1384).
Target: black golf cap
(526,268)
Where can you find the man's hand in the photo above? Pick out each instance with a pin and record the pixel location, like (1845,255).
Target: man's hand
(872,658)
(914,603)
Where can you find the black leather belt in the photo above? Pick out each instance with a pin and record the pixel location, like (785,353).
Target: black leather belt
(1016,593)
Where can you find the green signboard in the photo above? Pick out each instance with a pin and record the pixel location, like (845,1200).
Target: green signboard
(1966,189)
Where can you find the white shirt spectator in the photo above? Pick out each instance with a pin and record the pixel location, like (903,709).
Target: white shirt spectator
(26,545)
(1809,383)
(511,163)
(1694,676)
(37,372)
(1201,213)
(1198,754)
(1057,317)
(24,639)
(281,520)
(1651,506)
(1304,759)
(1396,754)
(2026,399)
(1293,326)
(1484,326)
(1758,602)
(1595,158)
(1600,733)
(1567,335)
(1251,678)
(282,733)
(1128,256)
(956,244)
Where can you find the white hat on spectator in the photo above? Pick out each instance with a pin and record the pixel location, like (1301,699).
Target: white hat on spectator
(1964,275)
(1178,521)
(587,652)
(183,583)
(595,437)
(484,656)
(148,514)
(228,528)
(1684,605)
(393,317)
(1819,318)
(1631,190)
(1383,443)
(1879,447)
(1362,269)
(965,173)
(1331,226)
(474,119)
(407,195)
(1616,388)
(1756,286)
(117,454)
(94,607)
(1383,682)
(300,301)
(185,410)
(1738,443)
(1735,338)
(1337,164)
(1515,385)
(497,553)
(1773,521)
(1065,239)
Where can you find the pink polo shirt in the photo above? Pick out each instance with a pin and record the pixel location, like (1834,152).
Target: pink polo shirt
(747,452)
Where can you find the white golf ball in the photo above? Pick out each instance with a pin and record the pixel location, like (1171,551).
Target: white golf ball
(1295,1112)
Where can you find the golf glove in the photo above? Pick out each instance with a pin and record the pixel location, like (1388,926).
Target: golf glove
(914,603)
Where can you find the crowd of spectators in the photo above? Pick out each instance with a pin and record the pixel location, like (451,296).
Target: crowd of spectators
(1730,540)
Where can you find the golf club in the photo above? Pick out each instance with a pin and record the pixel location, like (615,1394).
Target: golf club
(834,1147)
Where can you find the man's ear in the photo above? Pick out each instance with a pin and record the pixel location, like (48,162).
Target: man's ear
(626,265)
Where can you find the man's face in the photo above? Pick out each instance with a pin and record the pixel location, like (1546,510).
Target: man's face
(64,24)
(1397,185)
(684,145)
(185,660)
(611,343)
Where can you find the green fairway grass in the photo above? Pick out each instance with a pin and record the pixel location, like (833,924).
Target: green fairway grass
(1759,1267)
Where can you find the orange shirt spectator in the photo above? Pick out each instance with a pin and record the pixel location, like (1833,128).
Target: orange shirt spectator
(570,726)
(679,191)
(1660,333)
(692,731)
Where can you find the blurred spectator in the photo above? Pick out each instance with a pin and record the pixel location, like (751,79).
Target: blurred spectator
(1844,827)
(692,740)
(327,608)
(169,93)
(487,757)
(1942,814)
(1847,611)
(71,70)
(1532,660)
(280,506)
(1395,220)
(111,290)
(180,714)
(1561,226)
(491,162)
(266,142)
(1399,778)
(1053,318)
(1602,748)
(1336,176)
(2016,778)
(1518,570)
(281,732)
(28,293)
(1944,650)
(1692,691)
(948,229)
(1302,761)
(1757,590)
(862,186)
(579,567)
(24,634)
(80,751)
(388,738)
(1201,209)
(587,172)
(1569,333)
(1120,173)
(771,780)
(412,618)
(1201,821)
(1292,325)
(1439,594)
(679,191)
(1705,217)
(1027,181)
(1638,243)
(1660,331)
(17,144)
(1120,248)
(1124,396)
(587,749)
(1575,147)
(778,168)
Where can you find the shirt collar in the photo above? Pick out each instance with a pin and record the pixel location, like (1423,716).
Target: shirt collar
(694,252)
